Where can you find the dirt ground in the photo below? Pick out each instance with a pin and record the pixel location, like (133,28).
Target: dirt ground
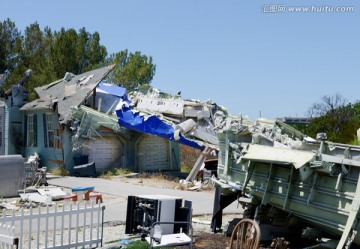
(114,231)
(203,236)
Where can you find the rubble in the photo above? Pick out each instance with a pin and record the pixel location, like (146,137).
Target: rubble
(190,122)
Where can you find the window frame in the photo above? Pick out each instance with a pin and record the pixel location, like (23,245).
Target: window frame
(31,141)
(49,128)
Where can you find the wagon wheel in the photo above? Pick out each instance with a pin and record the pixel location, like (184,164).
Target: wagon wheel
(246,235)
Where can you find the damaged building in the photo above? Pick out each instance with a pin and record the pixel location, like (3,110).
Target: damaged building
(83,117)
(11,128)
(73,122)
(138,151)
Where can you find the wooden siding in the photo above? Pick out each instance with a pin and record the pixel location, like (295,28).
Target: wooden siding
(49,157)
(62,154)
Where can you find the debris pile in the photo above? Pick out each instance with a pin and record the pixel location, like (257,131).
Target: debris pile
(183,120)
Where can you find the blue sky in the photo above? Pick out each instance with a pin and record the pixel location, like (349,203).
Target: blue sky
(234,52)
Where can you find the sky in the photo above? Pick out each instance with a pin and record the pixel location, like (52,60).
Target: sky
(258,58)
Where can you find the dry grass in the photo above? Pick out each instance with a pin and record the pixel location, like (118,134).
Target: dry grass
(60,171)
(115,172)
(157,175)
(188,156)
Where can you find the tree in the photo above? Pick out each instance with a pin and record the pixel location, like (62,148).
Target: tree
(35,45)
(10,43)
(63,52)
(51,54)
(76,53)
(132,69)
(35,51)
(327,104)
(96,52)
(336,117)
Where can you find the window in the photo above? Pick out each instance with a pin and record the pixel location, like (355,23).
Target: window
(31,137)
(49,130)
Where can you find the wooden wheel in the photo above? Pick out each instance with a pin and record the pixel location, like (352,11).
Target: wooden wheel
(246,235)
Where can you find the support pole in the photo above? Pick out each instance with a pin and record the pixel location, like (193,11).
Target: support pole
(192,175)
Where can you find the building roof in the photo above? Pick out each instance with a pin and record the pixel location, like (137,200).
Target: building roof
(47,103)
(70,91)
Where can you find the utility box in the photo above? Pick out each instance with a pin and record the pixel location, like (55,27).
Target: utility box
(12,175)
(85,170)
(144,210)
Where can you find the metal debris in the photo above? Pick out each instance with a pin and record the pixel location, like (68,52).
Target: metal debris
(309,182)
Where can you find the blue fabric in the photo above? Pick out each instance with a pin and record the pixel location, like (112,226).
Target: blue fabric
(150,125)
(113,90)
(82,189)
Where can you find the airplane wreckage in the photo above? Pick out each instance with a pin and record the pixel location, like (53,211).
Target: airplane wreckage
(286,181)
(283,178)
(290,183)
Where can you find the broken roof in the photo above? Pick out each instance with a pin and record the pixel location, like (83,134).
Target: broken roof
(47,103)
(70,91)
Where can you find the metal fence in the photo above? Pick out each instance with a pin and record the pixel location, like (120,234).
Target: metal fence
(7,239)
(68,226)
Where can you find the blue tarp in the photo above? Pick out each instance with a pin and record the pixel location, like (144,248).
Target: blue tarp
(134,120)
(113,89)
(150,125)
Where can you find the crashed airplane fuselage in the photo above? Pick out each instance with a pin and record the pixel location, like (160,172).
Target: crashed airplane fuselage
(316,182)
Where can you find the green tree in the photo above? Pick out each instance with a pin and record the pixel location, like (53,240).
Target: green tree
(336,117)
(50,54)
(10,43)
(35,57)
(96,52)
(132,69)
(76,53)
(63,52)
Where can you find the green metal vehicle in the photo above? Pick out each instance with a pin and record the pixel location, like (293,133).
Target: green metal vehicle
(290,184)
